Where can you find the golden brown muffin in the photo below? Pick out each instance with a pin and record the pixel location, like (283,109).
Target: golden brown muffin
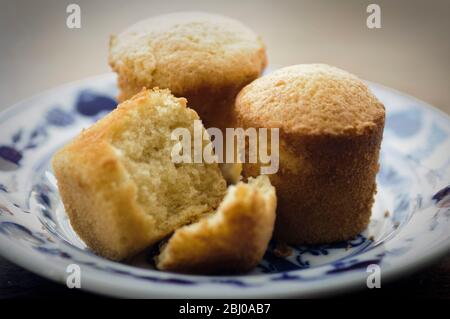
(233,239)
(120,188)
(331,128)
(203,57)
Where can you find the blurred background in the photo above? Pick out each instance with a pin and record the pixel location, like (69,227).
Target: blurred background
(411,52)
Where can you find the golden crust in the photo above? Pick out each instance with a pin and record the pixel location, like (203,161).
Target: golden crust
(100,196)
(310,99)
(331,128)
(204,57)
(86,191)
(234,239)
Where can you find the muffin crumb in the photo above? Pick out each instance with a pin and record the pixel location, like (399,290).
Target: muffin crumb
(233,239)
(282,250)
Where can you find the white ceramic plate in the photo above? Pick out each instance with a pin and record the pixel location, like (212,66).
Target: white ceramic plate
(413,185)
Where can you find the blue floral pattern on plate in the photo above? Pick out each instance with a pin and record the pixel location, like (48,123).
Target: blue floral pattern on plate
(410,220)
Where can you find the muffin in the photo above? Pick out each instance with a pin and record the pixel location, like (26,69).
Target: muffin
(331,128)
(203,57)
(233,239)
(120,188)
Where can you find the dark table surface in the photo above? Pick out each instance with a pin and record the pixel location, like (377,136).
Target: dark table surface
(431,282)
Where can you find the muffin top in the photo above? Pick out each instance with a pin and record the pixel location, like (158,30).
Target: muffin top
(310,99)
(187,51)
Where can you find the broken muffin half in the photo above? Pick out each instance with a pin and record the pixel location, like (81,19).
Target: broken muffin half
(119,186)
(123,192)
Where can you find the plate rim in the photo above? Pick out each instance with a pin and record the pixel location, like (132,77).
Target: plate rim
(109,288)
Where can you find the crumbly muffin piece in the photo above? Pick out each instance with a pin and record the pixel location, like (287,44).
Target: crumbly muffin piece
(120,188)
(331,128)
(233,239)
(203,57)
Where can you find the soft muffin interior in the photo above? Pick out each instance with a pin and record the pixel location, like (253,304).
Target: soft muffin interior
(173,194)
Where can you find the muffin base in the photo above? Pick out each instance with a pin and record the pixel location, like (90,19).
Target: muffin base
(325,186)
